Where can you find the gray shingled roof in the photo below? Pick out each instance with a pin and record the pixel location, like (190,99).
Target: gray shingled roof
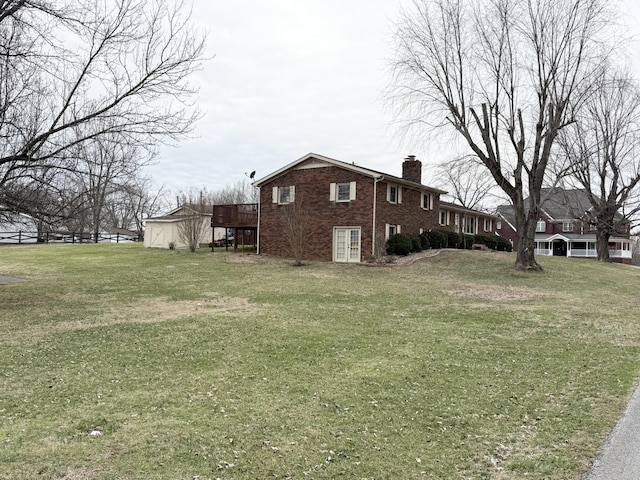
(558,203)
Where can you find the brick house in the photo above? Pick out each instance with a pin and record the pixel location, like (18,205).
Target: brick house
(350,211)
(562,229)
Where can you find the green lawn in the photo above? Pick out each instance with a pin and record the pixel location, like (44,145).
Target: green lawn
(215,365)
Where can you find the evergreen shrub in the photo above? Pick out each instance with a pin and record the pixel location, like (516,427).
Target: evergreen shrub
(399,244)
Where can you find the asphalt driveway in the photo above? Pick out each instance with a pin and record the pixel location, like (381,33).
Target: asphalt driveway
(7,279)
(619,457)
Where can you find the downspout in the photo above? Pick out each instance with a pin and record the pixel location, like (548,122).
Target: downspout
(373,233)
(258,226)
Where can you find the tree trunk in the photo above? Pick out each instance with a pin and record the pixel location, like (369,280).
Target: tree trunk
(525,259)
(526,231)
(602,245)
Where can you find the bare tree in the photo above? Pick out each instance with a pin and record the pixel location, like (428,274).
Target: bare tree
(240,192)
(467,181)
(72,72)
(193,224)
(103,166)
(602,150)
(295,229)
(134,201)
(506,76)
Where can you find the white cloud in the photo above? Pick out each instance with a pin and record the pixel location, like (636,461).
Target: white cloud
(292,77)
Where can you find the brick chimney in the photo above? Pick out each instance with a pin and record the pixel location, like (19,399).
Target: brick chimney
(412,169)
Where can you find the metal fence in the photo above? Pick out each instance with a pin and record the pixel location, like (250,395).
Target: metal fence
(26,237)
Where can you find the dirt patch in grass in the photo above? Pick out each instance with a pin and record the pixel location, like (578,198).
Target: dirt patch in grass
(492,293)
(245,258)
(81,474)
(151,310)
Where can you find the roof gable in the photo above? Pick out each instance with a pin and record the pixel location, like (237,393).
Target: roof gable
(557,204)
(314,160)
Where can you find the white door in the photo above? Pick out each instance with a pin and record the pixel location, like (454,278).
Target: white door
(157,237)
(346,244)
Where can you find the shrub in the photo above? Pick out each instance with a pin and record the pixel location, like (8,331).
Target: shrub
(399,244)
(416,244)
(466,241)
(437,239)
(453,239)
(503,245)
(424,240)
(488,241)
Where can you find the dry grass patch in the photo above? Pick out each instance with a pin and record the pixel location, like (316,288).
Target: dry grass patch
(145,311)
(82,474)
(493,293)
(245,258)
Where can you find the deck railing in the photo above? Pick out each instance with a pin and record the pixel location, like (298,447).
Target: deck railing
(240,215)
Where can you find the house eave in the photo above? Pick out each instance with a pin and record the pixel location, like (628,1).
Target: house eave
(380,176)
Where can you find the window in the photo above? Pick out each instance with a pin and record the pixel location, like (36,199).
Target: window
(541,226)
(444,217)
(392,230)
(427,201)
(567,226)
(342,192)
(284,195)
(457,223)
(592,227)
(498,225)
(394,194)
(488,225)
(469,225)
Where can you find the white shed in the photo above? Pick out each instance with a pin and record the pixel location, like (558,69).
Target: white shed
(160,232)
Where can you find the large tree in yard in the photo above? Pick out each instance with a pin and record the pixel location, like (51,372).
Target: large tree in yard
(506,77)
(73,72)
(602,150)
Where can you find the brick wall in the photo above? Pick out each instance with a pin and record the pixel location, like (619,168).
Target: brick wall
(312,188)
(321,215)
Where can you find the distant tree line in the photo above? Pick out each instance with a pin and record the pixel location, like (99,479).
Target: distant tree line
(88,90)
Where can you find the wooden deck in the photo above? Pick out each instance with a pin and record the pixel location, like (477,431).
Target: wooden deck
(243,215)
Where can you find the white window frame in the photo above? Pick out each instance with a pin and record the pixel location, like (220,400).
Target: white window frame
(541,226)
(388,230)
(470,221)
(488,222)
(398,191)
(567,226)
(498,225)
(446,217)
(335,189)
(426,201)
(278,193)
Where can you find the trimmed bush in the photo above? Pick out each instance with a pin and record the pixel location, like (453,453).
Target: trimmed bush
(416,244)
(437,239)
(503,245)
(399,244)
(424,241)
(490,242)
(466,242)
(453,239)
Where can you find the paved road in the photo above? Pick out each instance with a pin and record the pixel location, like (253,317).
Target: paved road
(619,458)
(8,279)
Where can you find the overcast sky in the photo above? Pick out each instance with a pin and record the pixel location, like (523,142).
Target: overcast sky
(289,77)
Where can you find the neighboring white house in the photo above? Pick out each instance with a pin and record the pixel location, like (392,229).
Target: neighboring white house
(162,231)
